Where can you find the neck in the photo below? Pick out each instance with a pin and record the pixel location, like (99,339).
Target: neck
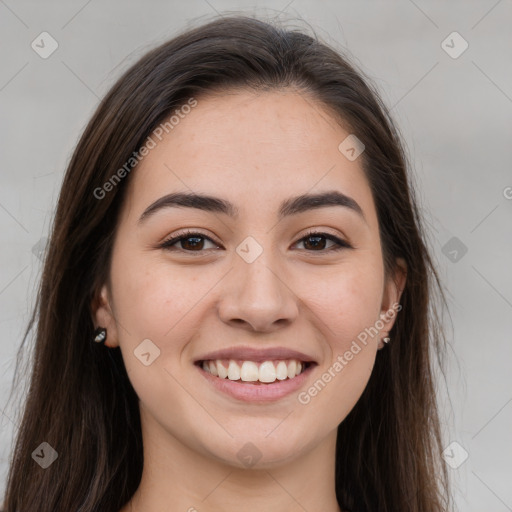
(176,476)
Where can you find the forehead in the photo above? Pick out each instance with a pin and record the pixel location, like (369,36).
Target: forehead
(253,148)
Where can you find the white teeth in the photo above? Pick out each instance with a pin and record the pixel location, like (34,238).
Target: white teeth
(213,368)
(233,371)
(281,370)
(292,366)
(221,370)
(249,372)
(267,372)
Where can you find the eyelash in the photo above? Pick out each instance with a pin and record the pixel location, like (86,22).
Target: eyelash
(167,244)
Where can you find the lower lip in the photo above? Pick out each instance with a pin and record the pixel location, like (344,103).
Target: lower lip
(257,392)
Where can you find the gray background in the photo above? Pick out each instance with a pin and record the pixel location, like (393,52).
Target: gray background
(455,116)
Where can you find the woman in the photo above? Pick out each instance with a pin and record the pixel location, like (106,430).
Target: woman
(236,306)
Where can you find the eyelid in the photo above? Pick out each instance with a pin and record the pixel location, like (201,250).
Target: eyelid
(189,232)
(341,242)
(322,231)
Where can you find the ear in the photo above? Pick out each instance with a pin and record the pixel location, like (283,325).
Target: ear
(393,289)
(104,317)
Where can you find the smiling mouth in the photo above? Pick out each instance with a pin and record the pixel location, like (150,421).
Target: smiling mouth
(251,372)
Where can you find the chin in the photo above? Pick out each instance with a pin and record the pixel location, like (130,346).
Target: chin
(259,451)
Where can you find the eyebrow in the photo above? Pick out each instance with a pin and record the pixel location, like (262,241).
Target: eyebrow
(291,206)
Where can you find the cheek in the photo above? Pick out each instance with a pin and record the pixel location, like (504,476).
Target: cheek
(164,304)
(346,301)
(346,313)
(348,305)
(157,303)
(154,298)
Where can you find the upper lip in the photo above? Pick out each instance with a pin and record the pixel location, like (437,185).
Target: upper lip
(256,354)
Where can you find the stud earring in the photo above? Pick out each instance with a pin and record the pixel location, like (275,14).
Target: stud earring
(386,340)
(100,335)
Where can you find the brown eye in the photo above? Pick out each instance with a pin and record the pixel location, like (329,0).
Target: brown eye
(316,242)
(190,242)
(195,242)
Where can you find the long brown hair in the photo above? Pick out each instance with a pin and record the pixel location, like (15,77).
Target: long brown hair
(80,400)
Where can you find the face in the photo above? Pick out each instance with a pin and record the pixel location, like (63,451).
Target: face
(266,283)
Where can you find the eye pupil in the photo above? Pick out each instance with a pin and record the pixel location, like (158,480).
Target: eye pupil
(316,244)
(195,244)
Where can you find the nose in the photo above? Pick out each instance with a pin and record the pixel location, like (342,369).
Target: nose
(257,297)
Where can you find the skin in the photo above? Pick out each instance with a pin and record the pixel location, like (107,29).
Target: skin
(255,150)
